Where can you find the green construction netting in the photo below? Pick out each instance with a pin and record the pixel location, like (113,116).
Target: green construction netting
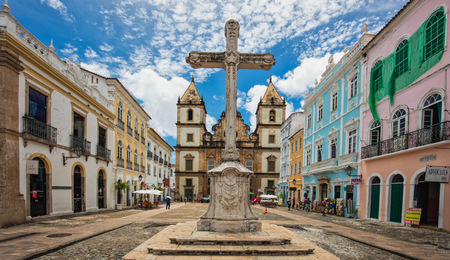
(398,71)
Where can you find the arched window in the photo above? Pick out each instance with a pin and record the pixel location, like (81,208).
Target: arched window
(399,123)
(190,115)
(120,111)
(375,132)
(129,118)
(376,77)
(401,58)
(432,109)
(272,116)
(136,156)
(128,153)
(120,150)
(434,37)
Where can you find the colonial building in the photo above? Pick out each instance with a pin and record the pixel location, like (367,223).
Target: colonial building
(296,155)
(198,150)
(332,129)
(56,131)
(283,182)
(405,126)
(159,168)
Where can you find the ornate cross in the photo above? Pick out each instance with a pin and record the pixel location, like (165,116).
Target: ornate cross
(231,60)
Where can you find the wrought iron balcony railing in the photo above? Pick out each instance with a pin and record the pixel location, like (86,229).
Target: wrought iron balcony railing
(120,124)
(149,154)
(129,131)
(129,165)
(80,143)
(103,152)
(39,129)
(120,162)
(433,134)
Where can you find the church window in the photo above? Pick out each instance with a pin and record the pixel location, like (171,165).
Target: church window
(401,58)
(272,116)
(320,113)
(334,101)
(376,78)
(189,182)
(271,139)
(190,137)
(190,115)
(271,184)
(434,34)
(399,123)
(271,163)
(211,164)
(319,153)
(354,86)
(189,165)
(249,165)
(120,111)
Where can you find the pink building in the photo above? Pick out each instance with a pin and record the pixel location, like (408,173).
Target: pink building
(405,123)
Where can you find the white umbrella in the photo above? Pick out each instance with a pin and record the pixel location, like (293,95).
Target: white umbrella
(169,197)
(267,196)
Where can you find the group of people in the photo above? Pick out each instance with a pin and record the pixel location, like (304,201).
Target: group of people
(305,205)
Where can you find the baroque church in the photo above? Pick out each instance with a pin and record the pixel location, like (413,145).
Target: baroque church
(198,150)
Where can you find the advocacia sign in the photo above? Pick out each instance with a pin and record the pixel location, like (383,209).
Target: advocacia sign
(437,174)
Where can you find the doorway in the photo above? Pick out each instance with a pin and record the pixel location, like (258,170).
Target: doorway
(100,190)
(375,198)
(38,191)
(397,199)
(77,198)
(323,191)
(188,194)
(428,201)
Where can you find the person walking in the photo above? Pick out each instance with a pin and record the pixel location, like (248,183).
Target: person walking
(293,203)
(289,204)
(308,205)
(185,199)
(324,204)
(167,203)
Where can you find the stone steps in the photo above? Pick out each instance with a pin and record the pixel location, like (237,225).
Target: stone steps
(229,241)
(230,251)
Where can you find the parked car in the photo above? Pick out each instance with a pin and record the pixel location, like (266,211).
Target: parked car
(256,200)
(205,199)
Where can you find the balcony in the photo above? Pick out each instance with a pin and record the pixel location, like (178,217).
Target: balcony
(81,144)
(149,154)
(120,124)
(435,133)
(129,131)
(165,162)
(142,140)
(129,165)
(39,129)
(136,136)
(120,162)
(161,160)
(155,157)
(104,153)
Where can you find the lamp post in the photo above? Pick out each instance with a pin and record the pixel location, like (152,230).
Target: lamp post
(78,151)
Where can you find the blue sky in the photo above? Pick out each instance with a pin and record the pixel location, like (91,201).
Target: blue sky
(144,43)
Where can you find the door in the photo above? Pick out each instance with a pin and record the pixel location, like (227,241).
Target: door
(188,194)
(38,191)
(397,199)
(375,198)
(428,201)
(77,189)
(324,191)
(100,190)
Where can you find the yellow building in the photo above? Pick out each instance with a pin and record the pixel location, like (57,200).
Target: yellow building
(130,137)
(296,159)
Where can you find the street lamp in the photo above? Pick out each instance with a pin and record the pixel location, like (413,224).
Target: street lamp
(78,151)
(349,170)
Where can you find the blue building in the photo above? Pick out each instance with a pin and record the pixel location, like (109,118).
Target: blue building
(332,130)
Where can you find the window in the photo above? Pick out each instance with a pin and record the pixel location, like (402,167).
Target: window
(292,149)
(271,163)
(272,116)
(190,115)
(142,130)
(352,141)
(129,118)
(142,159)
(399,123)
(128,153)
(292,170)
(271,139)
(271,183)
(101,137)
(353,86)
(434,35)
(299,167)
(401,58)
(154,171)
(37,105)
(295,168)
(120,111)
(190,137)
(189,165)
(136,125)
(320,113)
(432,108)
(376,79)
(159,174)
(136,156)
(120,150)
(249,165)
(334,101)
(333,148)
(296,143)
(308,157)
(211,164)
(375,131)
(308,121)
(78,126)
(300,143)
(319,153)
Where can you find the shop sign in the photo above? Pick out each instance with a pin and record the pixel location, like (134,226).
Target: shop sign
(413,216)
(428,157)
(32,167)
(437,174)
(349,188)
(356,181)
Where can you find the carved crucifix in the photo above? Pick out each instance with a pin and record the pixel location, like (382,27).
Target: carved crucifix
(231,60)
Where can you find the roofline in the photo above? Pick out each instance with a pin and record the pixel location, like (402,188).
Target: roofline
(156,133)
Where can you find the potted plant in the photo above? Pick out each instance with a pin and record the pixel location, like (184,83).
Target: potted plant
(120,186)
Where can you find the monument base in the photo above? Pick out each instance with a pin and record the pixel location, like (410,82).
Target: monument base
(228,226)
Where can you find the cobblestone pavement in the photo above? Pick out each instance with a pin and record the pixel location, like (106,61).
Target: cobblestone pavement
(117,243)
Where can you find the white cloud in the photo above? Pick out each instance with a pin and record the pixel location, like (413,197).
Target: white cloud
(61,8)
(90,53)
(106,47)
(250,103)
(210,122)
(98,68)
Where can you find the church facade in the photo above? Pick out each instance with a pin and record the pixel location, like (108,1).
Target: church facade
(198,150)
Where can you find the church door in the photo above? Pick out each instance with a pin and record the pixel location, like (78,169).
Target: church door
(375,198)
(188,194)
(397,199)
(38,191)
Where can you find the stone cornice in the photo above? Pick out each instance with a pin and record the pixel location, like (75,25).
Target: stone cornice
(10,59)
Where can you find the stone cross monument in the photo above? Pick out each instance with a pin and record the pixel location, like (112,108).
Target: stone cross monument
(229,209)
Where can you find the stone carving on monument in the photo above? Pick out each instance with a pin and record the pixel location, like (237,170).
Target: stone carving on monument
(229,209)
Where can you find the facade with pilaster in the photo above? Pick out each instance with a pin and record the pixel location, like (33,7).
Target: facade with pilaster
(296,156)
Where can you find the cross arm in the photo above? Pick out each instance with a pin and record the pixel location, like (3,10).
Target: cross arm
(263,61)
(206,59)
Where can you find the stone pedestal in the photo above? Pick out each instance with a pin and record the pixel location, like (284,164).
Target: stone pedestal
(229,208)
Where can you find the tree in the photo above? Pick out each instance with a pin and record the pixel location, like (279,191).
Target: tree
(120,186)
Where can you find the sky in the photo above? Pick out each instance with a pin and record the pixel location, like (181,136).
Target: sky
(144,43)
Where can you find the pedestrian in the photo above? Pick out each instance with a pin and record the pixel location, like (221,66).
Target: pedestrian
(181,197)
(289,204)
(293,202)
(324,203)
(185,199)
(167,203)
(308,205)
